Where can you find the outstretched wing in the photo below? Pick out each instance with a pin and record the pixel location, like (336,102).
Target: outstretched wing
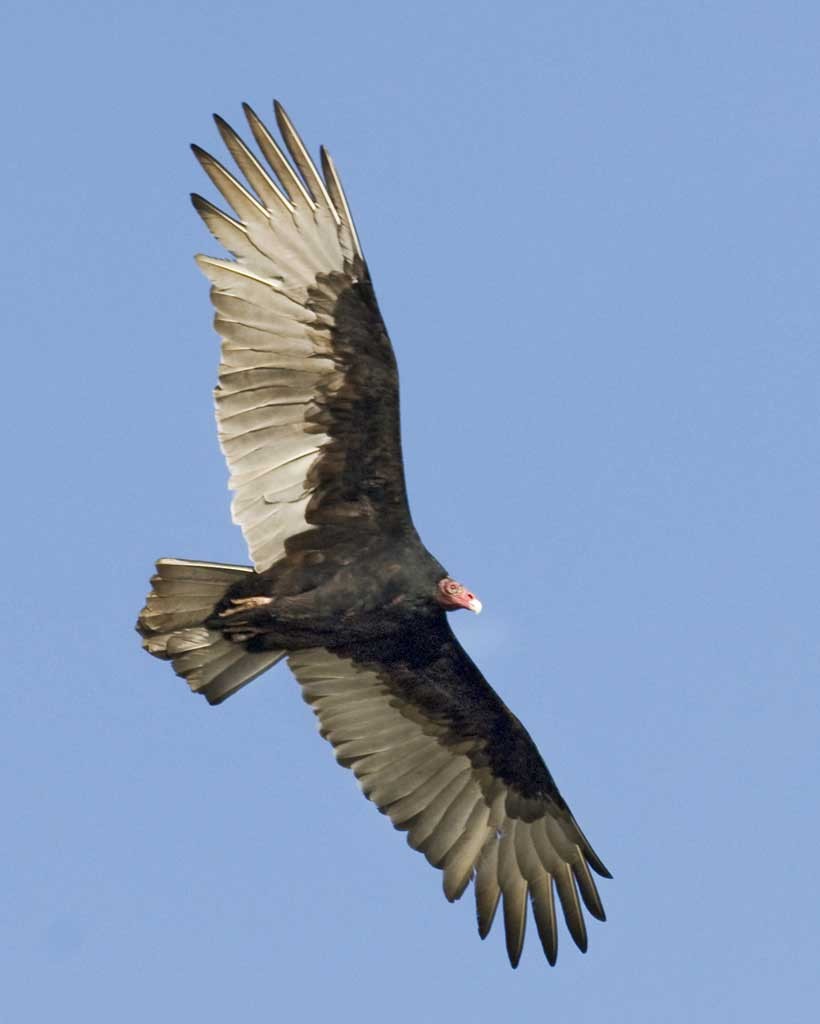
(435,748)
(307,402)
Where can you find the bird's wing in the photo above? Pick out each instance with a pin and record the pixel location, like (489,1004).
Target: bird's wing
(307,402)
(435,748)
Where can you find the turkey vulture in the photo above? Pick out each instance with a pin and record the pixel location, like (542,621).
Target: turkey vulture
(307,408)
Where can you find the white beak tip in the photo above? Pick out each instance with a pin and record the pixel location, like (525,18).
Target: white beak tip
(475,606)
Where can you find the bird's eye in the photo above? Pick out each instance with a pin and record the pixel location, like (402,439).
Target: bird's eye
(453,587)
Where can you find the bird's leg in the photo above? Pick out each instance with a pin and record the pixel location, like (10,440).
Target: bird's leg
(271,623)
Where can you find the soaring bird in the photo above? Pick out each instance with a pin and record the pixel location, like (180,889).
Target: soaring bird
(307,408)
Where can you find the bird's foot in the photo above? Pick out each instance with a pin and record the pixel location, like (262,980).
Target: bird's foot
(245,604)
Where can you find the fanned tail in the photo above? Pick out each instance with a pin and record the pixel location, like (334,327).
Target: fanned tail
(183,596)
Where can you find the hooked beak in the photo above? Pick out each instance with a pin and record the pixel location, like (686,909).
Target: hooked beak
(469,601)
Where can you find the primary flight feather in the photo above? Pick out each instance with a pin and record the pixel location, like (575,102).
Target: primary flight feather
(307,409)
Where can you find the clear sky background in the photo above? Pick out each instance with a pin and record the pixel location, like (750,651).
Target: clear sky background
(593,229)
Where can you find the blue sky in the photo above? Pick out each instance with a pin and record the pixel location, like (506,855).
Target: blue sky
(593,229)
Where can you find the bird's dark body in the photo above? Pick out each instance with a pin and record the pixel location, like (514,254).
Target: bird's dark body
(381,610)
(308,415)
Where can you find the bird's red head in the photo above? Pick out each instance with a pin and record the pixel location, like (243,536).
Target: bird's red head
(452,595)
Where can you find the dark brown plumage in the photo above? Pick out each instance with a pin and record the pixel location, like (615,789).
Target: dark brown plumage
(308,417)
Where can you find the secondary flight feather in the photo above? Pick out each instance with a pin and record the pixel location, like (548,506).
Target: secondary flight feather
(307,409)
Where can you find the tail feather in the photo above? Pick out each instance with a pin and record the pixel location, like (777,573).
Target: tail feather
(183,596)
